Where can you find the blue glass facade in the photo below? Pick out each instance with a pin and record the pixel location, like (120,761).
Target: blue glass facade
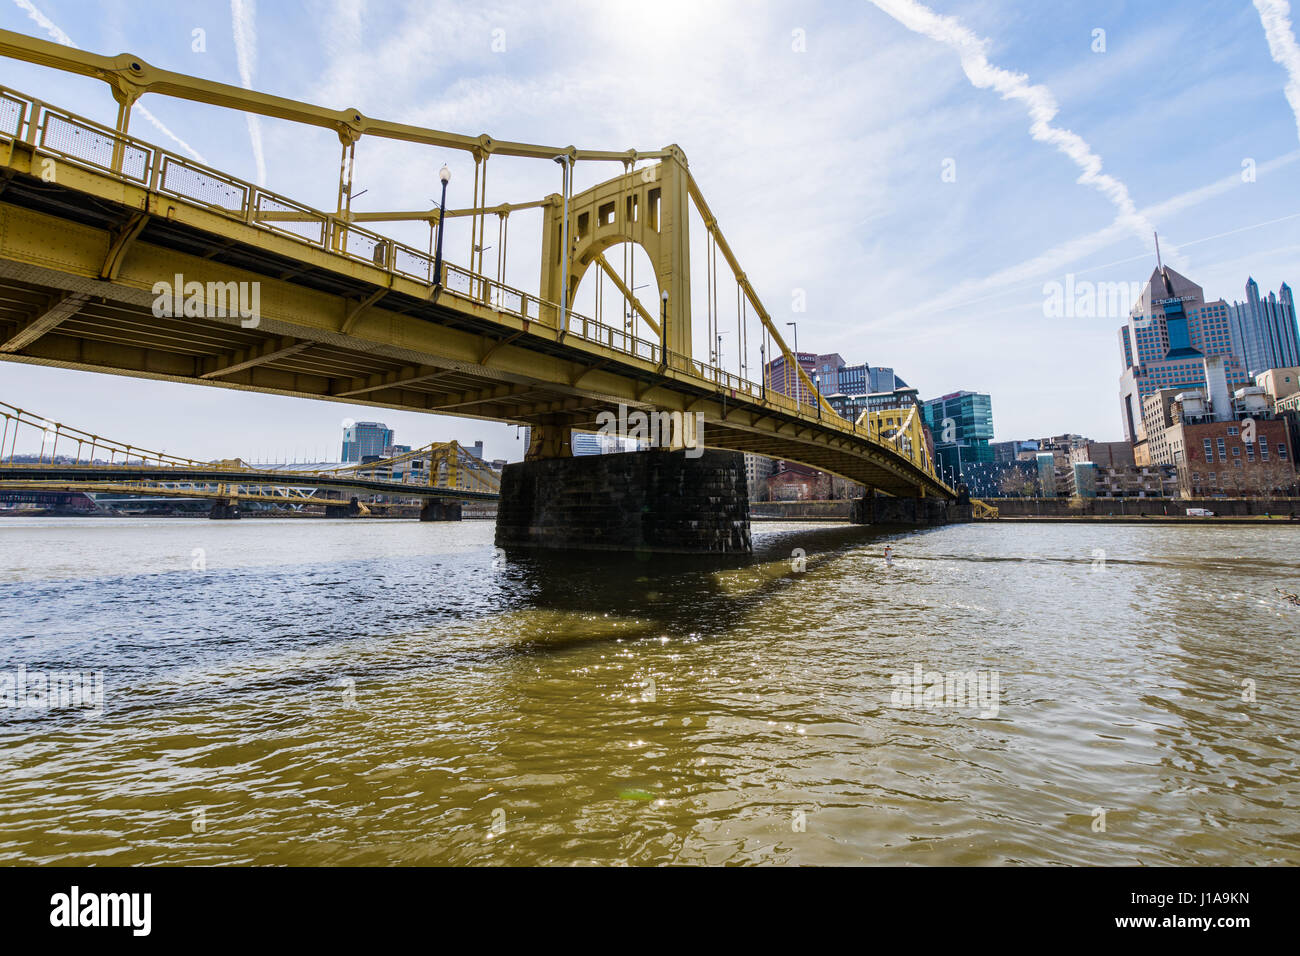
(1264,331)
(961,426)
(366,439)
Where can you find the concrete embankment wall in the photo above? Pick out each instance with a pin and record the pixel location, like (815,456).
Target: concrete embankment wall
(1134,507)
(882,510)
(800,510)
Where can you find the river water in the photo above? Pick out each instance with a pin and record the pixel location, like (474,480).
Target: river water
(376,692)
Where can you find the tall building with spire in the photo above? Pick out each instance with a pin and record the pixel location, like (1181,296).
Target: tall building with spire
(1170,332)
(1264,331)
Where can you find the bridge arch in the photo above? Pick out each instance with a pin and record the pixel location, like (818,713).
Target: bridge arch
(601,284)
(647,207)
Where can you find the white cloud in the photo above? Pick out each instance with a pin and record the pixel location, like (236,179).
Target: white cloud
(1037,98)
(45,23)
(1054,260)
(243,13)
(1275,15)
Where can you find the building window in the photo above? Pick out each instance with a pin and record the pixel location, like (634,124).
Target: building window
(1281,451)
(1263,449)
(1250,452)
(1236,451)
(1209,451)
(1223,454)
(1232,429)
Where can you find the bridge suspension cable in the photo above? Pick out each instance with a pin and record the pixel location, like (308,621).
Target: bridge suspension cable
(16,419)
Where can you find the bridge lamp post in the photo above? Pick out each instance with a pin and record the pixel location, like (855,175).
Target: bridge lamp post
(717,356)
(629,314)
(798,385)
(663,323)
(762,361)
(566,161)
(445,175)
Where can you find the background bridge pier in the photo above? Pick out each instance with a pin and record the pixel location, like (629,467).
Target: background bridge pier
(657,500)
(349,509)
(884,509)
(224,509)
(438,509)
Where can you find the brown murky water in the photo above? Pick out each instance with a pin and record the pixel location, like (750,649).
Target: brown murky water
(373,692)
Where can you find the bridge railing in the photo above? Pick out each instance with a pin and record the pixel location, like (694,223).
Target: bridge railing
(83,142)
(12,111)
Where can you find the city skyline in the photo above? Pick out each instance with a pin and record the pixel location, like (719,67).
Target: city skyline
(850,250)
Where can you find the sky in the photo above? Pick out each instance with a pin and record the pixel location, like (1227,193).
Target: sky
(904,181)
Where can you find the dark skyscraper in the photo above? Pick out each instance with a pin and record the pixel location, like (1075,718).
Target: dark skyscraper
(1264,330)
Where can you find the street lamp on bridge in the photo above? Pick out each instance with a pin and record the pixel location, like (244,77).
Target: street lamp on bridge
(445,175)
(798,385)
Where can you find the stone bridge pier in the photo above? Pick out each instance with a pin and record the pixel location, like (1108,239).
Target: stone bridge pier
(438,509)
(921,510)
(350,510)
(656,500)
(224,509)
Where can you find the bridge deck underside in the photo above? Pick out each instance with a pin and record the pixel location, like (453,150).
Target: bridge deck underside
(319,336)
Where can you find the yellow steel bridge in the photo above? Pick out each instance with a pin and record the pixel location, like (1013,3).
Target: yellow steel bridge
(94,222)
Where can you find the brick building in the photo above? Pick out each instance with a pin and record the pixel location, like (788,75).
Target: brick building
(1220,444)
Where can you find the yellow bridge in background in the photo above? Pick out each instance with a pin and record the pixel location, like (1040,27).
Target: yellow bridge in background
(438,477)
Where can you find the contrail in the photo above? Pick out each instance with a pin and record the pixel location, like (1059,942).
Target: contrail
(45,23)
(1028,273)
(1275,15)
(242,14)
(57,34)
(1037,98)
